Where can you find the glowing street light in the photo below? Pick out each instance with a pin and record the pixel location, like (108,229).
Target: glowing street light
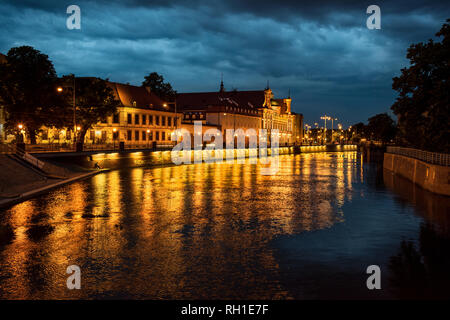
(20,126)
(114,138)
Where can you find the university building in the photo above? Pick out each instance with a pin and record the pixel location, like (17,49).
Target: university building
(141,118)
(243,110)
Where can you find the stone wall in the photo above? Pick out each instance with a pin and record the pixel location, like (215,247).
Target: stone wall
(431,177)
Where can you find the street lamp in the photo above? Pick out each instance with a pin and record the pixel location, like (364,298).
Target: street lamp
(114,138)
(148,139)
(325,118)
(332,128)
(60,89)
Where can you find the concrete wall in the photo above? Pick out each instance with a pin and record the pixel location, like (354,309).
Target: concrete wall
(431,177)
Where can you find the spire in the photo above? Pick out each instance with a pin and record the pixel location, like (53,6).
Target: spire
(268,87)
(221,84)
(289,95)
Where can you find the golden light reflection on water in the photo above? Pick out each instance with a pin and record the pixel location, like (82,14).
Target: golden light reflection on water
(145,232)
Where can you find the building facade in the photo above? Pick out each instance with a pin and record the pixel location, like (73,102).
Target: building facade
(141,119)
(243,110)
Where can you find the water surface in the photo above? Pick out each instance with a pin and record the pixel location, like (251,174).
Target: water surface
(221,231)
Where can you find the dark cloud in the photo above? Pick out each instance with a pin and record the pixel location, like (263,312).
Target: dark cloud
(320,50)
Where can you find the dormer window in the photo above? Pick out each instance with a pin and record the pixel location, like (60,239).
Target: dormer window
(134,103)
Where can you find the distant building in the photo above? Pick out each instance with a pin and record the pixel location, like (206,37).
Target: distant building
(242,110)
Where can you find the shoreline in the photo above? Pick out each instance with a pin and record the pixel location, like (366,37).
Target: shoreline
(4,203)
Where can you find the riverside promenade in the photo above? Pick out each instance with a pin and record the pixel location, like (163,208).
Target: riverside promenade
(19,182)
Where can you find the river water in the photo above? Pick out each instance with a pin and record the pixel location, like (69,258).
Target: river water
(225,231)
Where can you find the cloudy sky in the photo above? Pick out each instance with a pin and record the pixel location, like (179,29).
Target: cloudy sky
(321,50)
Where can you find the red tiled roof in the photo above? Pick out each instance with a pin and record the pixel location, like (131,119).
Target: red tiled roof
(128,94)
(242,99)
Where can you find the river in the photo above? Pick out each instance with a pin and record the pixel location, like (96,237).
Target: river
(225,231)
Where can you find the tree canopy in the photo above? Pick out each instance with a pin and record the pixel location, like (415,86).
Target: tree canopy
(381,127)
(157,85)
(27,89)
(94,102)
(422,106)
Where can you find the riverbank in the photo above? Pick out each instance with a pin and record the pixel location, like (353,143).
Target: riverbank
(431,177)
(21,180)
(29,191)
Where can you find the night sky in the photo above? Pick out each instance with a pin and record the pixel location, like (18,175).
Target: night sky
(320,50)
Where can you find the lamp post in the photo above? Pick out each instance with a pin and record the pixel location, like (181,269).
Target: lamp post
(114,138)
(325,118)
(60,89)
(148,139)
(332,127)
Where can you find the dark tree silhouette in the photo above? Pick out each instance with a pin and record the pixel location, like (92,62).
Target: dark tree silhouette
(422,106)
(381,127)
(28,91)
(94,102)
(157,85)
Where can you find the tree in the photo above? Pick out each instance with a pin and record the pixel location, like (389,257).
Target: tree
(157,85)
(94,102)
(422,106)
(381,127)
(358,131)
(28,91)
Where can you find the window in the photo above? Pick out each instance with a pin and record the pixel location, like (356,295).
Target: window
(157,136)
(163,136)
(150,120)
(157,120)
(129,118)
(150,137)
(92,135)
(44,135)
(136,119)
(144,119)
(134,103)
(116,118)
(136,135)
(129,135)
(169,121)
(163,121)
(144,136)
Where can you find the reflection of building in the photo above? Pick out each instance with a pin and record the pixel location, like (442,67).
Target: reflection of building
(242,110)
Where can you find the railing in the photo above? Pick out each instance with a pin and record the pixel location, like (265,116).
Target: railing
(442,159)
(7,148)
(46,167)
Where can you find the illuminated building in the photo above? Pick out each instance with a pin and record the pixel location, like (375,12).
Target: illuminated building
(242,110)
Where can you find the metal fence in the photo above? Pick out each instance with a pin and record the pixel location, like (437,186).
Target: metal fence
(442,159)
